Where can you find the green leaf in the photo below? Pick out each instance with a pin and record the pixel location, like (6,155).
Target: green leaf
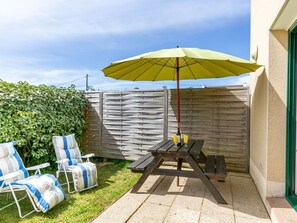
(31,115)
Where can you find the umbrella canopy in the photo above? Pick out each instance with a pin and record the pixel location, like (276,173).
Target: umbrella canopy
(179,64)
(194,63)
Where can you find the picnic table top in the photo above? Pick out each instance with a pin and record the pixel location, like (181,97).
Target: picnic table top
(193,147)
(150,163)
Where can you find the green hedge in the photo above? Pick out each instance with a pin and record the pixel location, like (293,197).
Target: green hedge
(31,115)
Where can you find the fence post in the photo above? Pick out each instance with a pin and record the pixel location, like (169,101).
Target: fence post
(165,120)
(247,151)
(100,120)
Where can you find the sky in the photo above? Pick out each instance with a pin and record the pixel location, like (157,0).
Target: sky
(58,42)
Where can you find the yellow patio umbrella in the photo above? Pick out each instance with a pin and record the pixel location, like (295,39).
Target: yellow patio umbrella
(178,64)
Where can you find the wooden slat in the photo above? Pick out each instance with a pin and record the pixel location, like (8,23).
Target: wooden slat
(210,165)
(186,147)
(142,166)
(174,149)
(196,148)
(139,161)
(133,118)
(165,148)
(217,115)
(157,146)
(134,121)
(221,166)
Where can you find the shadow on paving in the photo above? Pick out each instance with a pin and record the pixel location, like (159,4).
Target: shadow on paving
(244,202)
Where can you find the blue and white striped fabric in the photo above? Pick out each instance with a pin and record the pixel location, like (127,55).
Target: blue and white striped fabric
(44,188)
(10,162)
(67,147)
(84,174)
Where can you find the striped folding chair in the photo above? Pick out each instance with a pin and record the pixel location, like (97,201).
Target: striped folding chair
(43,190)
(69,160)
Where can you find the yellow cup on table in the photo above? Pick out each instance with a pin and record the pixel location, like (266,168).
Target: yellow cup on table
(175,139)
(186,138)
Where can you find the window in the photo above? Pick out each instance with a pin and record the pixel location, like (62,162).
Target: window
(291,154)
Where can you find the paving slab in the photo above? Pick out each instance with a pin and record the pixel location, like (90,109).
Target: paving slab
(149,212)
(219,215)
(161,200)
(165,193)
(247,204)
(212,211)
(187,204)
(178,214)
(123,208)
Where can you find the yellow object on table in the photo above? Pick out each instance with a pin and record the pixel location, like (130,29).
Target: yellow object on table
(175,139)
(186,138)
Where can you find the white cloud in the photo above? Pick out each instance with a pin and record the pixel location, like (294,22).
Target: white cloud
(39,76)
(66,77)
(55,19)
(25,24)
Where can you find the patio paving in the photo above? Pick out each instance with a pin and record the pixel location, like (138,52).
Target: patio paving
(161,200)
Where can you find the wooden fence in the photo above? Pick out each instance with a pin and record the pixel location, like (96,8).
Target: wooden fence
(124,124)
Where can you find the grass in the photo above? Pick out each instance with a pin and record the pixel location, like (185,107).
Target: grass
(114,180)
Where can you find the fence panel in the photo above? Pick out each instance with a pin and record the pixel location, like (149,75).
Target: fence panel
(124,124)
(132,122)
(91,140)
(220,117)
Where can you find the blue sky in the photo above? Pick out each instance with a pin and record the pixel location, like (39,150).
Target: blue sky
(57,42)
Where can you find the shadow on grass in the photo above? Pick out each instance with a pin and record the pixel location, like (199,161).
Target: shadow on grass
(109,169)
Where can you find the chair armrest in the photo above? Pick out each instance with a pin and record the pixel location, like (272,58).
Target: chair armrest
(37,167)
(62,161)
(9,176)
(88,156)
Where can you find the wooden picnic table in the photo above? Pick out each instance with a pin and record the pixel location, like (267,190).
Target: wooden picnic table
(192,154)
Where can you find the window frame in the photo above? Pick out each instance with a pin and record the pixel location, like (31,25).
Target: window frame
(291,119)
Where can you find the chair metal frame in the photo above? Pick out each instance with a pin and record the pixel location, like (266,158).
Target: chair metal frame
(67,169)
(14,188)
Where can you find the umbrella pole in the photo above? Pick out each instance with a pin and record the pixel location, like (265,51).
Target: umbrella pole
(179,161)
(178,96)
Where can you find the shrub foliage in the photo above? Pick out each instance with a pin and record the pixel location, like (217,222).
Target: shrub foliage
(31,115)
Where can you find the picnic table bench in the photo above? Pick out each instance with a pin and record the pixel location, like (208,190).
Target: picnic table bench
(215,167)
(140,165)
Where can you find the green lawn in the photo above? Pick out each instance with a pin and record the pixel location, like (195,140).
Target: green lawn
(113,179)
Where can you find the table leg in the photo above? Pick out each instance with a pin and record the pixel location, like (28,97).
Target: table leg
(153,165)
(214,192)
(179,166)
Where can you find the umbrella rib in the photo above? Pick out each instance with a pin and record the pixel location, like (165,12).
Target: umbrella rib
(190,69)
(182,62)
(135,69)
(162,67)
(147,68)
(235,74)
(241,66)
(205,68)
(137,61)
